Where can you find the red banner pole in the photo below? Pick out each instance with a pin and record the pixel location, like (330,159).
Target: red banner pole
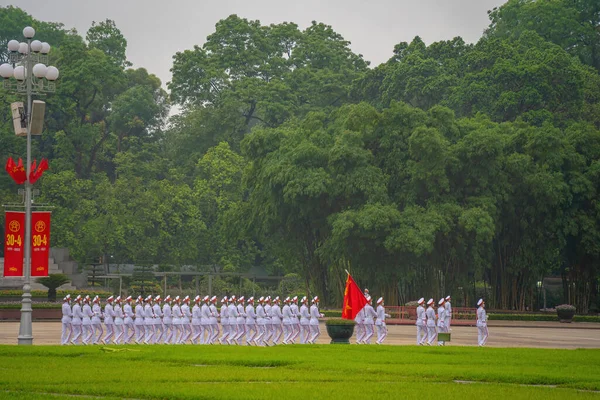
(40,242)
(14,241)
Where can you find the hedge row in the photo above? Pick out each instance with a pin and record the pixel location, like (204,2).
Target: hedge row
(59,293)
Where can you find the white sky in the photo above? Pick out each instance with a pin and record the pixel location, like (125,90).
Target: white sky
(157,29)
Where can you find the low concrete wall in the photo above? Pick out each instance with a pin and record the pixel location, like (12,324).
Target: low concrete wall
(37,314)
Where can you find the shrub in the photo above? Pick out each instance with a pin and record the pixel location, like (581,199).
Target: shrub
(340,321)
(52,282)
(565,312)
(332,313)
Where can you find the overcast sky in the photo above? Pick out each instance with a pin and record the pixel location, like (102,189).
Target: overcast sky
(157,29)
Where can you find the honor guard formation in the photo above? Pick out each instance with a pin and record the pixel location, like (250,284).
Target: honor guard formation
(177,321)
(172,321)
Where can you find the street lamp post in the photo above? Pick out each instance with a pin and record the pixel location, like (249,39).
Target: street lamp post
(27,65)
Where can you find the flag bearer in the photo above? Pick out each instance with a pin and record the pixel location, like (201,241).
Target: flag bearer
(430,314)
(380,322)
(361,331)
(66,320)
(96,322)
(482,330)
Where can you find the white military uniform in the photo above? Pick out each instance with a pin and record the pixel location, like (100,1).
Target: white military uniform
(288,317)
(66,323)
(276,317)
(380,323)
(261,321)
(148,322)
(268,324)
(314,323)
(118,324)
(369,315)
(159,329)
(186,324)
(250,323)
(482,330)
(295,320)
(196,322)
(86,323)
(128,328)
(431,331)
(97,323)
(76,323)
(421,325)
(205,322)
(441,322)
(139,322)
(177,316)
(304,324)
(225,322)
(448,308)
(167,321)
(109,322)
(240,322)
(214,324)
(361,331)
(232,313)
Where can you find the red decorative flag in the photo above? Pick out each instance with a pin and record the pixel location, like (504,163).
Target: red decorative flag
(354,299)
(17,172)
(14,240)
(40,242)
(36,174)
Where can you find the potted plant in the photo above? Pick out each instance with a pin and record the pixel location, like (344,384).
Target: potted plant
(565,313)
(340,330)
(52,282)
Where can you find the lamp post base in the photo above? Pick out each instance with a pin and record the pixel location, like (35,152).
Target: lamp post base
(25,326)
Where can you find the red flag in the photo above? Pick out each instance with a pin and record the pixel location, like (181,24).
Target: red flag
(17,172)
(354,299)
(36,174)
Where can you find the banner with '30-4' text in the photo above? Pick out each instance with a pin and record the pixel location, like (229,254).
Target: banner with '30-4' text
(14,242)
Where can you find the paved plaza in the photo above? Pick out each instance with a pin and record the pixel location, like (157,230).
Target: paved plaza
(504,334)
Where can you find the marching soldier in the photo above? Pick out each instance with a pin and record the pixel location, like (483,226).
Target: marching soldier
(86,321)
(441,322)
(288,330)
(205,316)
(241,320)
(276,316)
(128,328)
(251,329)
(314,320)
(66,320)
(268,325)
(430,314)
(214,323)
(76,320)
(109,322)
(448,308)
(232,313)
(304,321)
(361,330)
(159,328)
(224,320)
(139,320)
(96,322)
(380,322)
(261,322)
(295,326)
(118,321)
(177,321)
(482,330)
(369,314)
(149,320)
(196,320)
(167,321)
(421,323)
(186,325)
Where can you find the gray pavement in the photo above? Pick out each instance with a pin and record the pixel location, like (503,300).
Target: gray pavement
(521,334)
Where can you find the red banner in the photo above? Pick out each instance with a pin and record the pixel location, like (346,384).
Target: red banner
(40,242)
(14,241)
(354,299)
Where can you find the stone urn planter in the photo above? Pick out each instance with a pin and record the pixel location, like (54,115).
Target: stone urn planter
(340,330)
(565,313)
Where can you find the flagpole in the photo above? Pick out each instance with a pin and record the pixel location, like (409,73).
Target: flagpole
(347,271)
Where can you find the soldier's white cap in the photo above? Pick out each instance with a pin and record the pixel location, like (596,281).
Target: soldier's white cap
(67,297)
(139,300)
(177,298)
(149,298)
(128,298)
(421,301)
(276,299)
(251,300)
(232,298)
(206,299)
(87,296)
(224,299)
(110,298)
(295,299)
(86,300)
(213,299)
(261,299)
(168,298)
(304,300)
(241,299)
(157,298)
(118,299)
(479,302)
(286,300)
(315,299)
(441,301)
(447,298)
(186,298)
(380,300)
(78,298)
(430,301)
(197,299)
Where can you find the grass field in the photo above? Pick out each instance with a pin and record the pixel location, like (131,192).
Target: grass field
(297,372)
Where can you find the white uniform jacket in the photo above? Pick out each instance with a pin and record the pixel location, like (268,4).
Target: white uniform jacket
(66,313)
(304,315)
(314,315)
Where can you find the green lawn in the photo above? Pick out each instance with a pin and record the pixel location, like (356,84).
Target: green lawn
(297,372)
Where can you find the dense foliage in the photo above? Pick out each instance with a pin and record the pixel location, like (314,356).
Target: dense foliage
(470,169)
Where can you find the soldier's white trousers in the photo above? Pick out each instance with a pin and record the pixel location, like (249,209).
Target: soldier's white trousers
(288,332)
(241,330)
(261,331)
(314,333)
(86,334)
(76,334)
(159,331)
(98,331)
(295,330)
(360,332)
(149,333)
(250,333)
(304,333)
(168,333)
(368,333)
(431,334)
(177,332)
(109,332)
(118,334)
(482,334)
(277,331)
(421,334)
(215,332)
(140,331)
(381,333)
(66,333)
